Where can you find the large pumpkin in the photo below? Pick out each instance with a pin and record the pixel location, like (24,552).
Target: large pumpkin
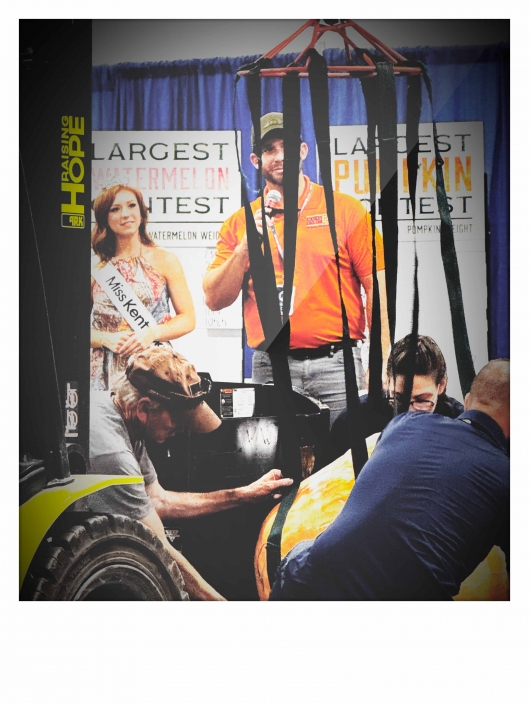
(319,501)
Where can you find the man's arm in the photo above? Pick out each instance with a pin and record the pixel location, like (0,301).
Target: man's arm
(367,283)
(223,284)
(186,505)
(195,584)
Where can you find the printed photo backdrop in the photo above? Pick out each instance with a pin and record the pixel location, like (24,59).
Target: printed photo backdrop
(190,183)
(461,144)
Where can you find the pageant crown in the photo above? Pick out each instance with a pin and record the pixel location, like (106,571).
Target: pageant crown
(103,182)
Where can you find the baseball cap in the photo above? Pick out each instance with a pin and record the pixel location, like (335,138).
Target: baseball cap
(170,379)
(269,122)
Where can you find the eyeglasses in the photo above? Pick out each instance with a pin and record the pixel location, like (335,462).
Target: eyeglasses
(417,404)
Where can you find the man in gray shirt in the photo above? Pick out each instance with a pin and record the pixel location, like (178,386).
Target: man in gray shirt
(160,395)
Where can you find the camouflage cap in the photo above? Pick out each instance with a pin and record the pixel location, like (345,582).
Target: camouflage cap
(166,376)
(162,374)
(269,122)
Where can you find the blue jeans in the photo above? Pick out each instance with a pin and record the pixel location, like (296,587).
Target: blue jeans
(322,378)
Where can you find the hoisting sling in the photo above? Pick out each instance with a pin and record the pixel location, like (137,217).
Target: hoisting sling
(277,342)
(319,93)
(465,365)
(369,88)
(380,97)
(413,114)
(276,327)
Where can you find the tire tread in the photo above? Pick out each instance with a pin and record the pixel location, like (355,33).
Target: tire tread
(54,560)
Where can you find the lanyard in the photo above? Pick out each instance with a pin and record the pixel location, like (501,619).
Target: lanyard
(273,227)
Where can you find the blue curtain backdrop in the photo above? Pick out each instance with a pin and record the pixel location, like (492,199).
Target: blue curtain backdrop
(470,83)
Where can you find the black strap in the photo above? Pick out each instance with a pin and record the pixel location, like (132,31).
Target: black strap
(277,335)
(319,93)
(261,264)
(375,345)
(320,109)
(465,364)
(291,135)
(276,331)
(290,444)
(290,462)
(413,114)
(289,434)
(376,98)
(273,544)
(389,189)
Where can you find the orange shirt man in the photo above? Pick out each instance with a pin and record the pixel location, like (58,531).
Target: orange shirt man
(316,322)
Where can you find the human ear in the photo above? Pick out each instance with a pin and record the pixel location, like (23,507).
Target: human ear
(142,409)
(442,386)
(303,150)
(466,402)
(255,160)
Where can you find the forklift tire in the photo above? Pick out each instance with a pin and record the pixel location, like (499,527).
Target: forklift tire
(110,557)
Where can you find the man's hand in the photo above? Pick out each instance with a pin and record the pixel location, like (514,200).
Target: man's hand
(267,487)
(258,217)
(222,285)
(195,584)
(242,254)
(241,251)
(186,505)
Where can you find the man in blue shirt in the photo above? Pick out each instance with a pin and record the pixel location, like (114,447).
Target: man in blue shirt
(426,510)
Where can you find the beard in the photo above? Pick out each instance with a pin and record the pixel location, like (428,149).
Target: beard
(272,177)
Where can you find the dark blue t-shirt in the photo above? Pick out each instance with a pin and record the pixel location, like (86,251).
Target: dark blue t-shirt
(426,510)
(376,419)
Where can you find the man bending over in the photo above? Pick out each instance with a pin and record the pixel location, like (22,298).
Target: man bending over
(427,508)
(161,395)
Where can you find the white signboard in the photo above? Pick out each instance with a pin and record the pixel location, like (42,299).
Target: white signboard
(461,145)
(191,183)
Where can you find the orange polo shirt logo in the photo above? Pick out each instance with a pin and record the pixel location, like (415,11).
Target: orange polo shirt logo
(314,220)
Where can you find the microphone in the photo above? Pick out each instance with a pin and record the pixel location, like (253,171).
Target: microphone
(272,198)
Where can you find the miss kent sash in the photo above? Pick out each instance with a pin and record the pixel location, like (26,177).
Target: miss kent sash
(122,296)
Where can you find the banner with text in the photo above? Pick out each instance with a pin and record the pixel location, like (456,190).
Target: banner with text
(461,146)
(191,184)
